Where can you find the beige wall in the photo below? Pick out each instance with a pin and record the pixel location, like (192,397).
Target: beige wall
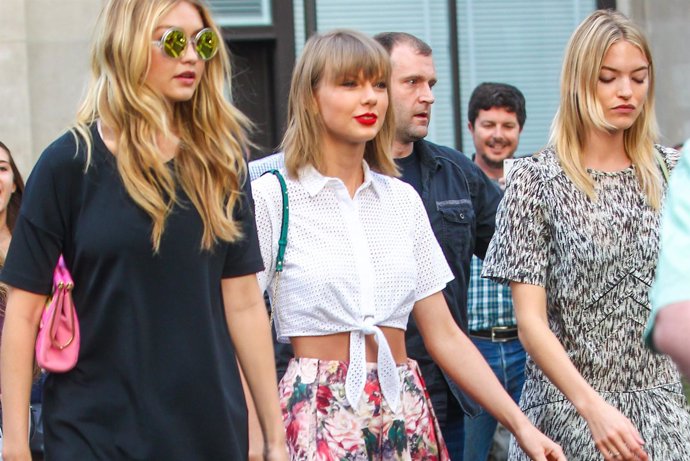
(15,116)
(666,25)
(43,70)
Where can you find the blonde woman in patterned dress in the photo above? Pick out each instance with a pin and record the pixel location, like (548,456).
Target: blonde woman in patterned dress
(577,237)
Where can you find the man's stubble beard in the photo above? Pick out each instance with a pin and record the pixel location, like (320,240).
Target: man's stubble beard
(408,134)
(493,163)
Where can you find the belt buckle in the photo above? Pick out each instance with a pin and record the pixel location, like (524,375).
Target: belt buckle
(494,339)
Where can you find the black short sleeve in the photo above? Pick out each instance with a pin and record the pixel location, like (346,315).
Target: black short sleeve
(31,258)
(40,232)
(243,256)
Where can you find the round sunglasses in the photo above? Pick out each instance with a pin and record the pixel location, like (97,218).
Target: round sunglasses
(174,42)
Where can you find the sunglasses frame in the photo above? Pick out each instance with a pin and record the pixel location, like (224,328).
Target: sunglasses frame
(170,53)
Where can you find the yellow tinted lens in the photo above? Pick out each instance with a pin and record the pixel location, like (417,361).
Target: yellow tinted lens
(174,43)
(206,44)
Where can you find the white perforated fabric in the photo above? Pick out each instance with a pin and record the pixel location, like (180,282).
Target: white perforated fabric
(351,264)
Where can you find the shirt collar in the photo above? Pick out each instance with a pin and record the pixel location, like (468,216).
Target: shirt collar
(313,181)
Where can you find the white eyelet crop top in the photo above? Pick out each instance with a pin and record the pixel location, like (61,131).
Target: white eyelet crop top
(351,264)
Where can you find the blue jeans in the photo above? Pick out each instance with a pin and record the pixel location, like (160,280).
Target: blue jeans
(507,360)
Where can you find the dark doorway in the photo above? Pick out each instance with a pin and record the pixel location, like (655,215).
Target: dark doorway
(262,59)
(253,91)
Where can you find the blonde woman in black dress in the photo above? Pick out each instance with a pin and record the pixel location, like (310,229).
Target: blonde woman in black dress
(577,237)
(149,203)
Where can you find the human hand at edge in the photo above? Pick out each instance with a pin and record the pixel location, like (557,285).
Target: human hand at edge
(18,453)
(614,435)
(277,453)
(538,446)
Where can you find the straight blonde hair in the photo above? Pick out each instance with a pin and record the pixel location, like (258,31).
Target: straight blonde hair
(210,162)
(580,110)
(333,55)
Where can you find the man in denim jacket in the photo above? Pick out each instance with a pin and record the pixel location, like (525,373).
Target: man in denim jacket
(461,203)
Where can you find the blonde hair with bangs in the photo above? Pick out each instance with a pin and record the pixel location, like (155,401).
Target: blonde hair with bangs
(210,162)
(580,110)
(333,55)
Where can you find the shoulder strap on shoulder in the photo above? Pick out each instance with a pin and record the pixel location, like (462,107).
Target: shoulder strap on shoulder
(282,241)
(662,164)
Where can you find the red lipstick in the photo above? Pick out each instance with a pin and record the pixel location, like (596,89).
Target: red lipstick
(367,119)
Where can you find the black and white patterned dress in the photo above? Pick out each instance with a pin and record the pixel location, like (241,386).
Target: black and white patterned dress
(596,260)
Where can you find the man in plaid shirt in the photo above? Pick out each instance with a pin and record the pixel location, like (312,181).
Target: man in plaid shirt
(496,116)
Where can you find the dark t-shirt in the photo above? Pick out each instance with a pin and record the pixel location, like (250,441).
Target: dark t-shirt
(411,170)
(156,376)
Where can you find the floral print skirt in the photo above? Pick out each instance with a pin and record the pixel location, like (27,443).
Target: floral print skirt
(322,426)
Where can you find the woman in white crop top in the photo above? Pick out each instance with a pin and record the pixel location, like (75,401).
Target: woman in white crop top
(360,258)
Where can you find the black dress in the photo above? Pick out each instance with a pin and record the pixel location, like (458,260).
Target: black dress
(156,376)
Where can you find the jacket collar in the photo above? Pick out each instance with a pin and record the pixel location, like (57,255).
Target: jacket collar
(426,157)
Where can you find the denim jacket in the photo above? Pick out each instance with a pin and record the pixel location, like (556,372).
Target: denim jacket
(461,202)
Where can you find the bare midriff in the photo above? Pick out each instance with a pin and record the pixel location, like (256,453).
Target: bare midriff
(337,346)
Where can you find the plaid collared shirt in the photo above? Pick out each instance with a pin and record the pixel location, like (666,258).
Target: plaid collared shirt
(270,162)
(489,304)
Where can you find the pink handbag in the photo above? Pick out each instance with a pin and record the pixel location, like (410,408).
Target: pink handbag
(57,343)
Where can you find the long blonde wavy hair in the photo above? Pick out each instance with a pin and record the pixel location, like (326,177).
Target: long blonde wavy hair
(209,165)
(332,55)
(580,110)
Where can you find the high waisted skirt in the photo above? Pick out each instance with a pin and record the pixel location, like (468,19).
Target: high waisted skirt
(321,425)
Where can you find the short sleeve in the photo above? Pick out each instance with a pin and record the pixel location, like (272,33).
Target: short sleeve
(519,248)
(433,272)
(672,282)
(243,256)
(31,258)
(267,192)
(44,218)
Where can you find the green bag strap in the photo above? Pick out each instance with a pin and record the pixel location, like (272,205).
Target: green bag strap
(282,241)
(662,164)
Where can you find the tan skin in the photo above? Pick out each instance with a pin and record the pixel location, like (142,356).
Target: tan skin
(495,134)
(336,346)
(670,334)
(622,81)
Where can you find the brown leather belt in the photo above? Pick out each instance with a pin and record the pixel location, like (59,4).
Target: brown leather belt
(497,334)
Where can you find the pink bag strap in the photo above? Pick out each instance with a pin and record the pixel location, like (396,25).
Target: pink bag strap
(61,276)
(63,284)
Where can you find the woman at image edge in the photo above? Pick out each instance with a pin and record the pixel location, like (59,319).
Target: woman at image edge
(147,199)
(577,237)
(360,257)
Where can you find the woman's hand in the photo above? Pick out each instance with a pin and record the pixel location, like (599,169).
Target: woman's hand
(538,446)
(614,435)
(277,453)
(256,452)
(12,452)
